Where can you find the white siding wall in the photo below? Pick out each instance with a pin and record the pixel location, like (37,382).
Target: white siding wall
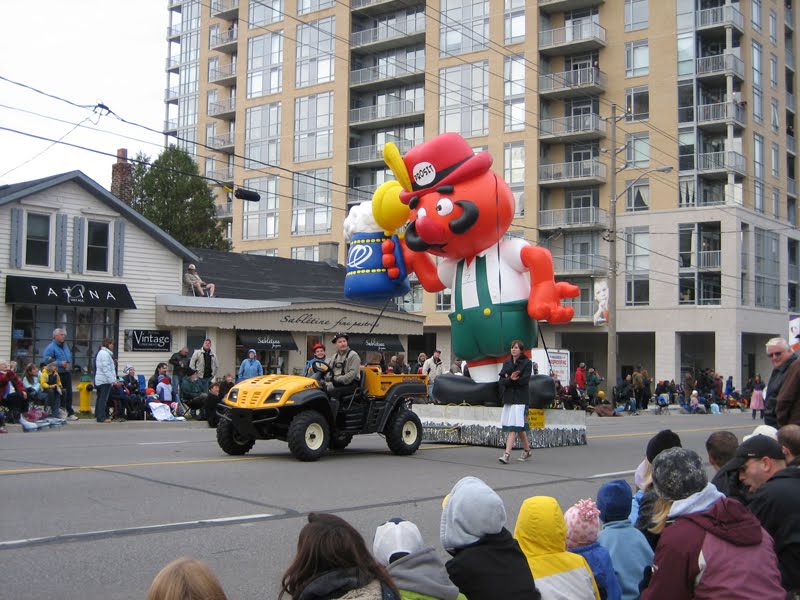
(149,268)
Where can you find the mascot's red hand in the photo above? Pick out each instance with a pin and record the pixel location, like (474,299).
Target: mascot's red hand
(423,266)
(388,259)
(544,301)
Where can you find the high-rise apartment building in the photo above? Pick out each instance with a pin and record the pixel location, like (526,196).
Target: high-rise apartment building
(295,99)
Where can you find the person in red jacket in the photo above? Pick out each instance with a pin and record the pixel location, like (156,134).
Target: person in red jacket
(710,546)
(15,401)
(580,378)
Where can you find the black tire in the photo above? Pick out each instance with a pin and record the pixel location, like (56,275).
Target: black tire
(308,436)
(404,433)
(341,441)
(231,441)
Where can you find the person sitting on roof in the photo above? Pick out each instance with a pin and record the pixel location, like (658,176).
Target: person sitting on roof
(195,284)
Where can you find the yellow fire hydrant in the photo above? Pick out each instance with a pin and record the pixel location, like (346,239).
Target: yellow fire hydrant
(85,388)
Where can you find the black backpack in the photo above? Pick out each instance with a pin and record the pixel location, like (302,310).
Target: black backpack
(136,408)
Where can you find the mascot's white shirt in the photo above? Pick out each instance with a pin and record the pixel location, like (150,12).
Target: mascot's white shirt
(503,264)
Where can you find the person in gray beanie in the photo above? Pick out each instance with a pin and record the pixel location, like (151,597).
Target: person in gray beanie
(710,546)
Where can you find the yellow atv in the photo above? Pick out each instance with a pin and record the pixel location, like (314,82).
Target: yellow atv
(297,410)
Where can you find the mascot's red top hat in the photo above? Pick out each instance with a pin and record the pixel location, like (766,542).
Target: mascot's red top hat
(444,160)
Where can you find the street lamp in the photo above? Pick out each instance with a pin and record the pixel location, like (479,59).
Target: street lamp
(611,367)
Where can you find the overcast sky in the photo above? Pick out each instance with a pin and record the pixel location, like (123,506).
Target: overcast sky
(87,51)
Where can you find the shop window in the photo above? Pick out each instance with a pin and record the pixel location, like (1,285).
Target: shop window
(97,246)
(444,300)
(195,338)
(37,240)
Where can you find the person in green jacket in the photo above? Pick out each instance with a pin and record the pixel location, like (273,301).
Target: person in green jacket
(592,382)
(193,394)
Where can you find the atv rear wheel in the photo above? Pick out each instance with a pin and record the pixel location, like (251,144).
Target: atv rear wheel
(308,436)
(231,441)
(341,441)
(404,433)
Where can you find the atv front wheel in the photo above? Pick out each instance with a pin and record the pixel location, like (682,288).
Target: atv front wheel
(341,441)
(308,436)
(404,433)
(231,441)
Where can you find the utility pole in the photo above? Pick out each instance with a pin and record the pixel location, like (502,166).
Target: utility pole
(611,366)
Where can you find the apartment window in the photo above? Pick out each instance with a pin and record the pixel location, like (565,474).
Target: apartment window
(775,161)
(264,64)
(514,173)
(637,263)
(412,301)
(637,150)
(444,300)
(514,89)
(791,211)
(260,219)
(464,99)
(264,12)
(515,21)
(686,52)
(637,103)
(773,27)
(313,126)
(636,14)
(776,203)
(37,240)
(687,141)
(637,196)
(315,52)
(758,105)
(686,102)
(757,55)
(311,202)
(262,135)
(755,6)
(775,118)
(97,246)
(758,196)
(767,269)
(308,6)
(637,58)
(773,70)
(687,191)
(687,283)
(465,26)
(758,156)
(305,253)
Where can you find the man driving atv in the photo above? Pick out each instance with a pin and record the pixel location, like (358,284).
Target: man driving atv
(345,369)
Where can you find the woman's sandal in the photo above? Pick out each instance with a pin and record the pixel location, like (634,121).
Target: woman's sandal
(504,459)
(526,454)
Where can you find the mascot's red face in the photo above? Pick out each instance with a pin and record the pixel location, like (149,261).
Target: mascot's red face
(460,220)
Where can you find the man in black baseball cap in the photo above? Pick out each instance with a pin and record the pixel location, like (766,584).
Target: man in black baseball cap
(776,487)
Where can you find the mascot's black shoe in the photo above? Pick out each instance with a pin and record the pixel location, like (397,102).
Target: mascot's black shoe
(457,389)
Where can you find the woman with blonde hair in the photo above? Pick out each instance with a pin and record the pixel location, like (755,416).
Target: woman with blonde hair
(186,579)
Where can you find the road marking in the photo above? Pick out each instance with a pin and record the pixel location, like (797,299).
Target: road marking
(601,475)
(160,443)
(133,530)
(144,464)
(651,433)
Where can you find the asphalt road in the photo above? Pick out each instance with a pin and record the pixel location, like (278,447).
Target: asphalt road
(95,510)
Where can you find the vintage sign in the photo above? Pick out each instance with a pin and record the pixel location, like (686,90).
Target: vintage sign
(148,340)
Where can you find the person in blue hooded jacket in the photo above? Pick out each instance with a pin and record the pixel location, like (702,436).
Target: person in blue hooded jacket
(250,366)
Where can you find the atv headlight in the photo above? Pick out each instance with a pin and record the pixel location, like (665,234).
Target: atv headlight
(274,397)
(233,395)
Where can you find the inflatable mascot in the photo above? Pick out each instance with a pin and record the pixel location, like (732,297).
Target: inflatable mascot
(446,204)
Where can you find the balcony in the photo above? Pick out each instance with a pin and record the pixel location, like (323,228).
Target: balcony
(584,309)
(720,65)
(356,195)
(173,64)
(719,17)
(554,6)
(582,37)
(225,9)
(225,41)
(376,7)
(223,75)
(399,33)
(589,217)
(223,143)
(171,95)
(225,211)
(577,82)
(709,259)
(222,176)
(791,187)
(790,106)
(224,109)
(369,154)
(176,5)
(716,117)
(720,163)
(399,111)
(399,72)
(580,264)
(171,127)
(790,64)
(791,147)
(576,128)
(174,33)
(582,172)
